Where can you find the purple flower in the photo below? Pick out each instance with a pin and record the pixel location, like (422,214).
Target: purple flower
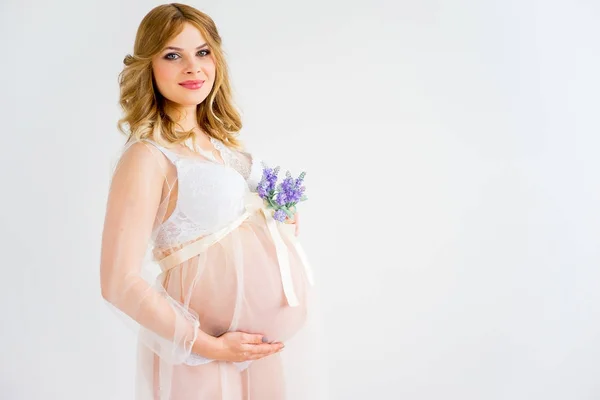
(283,197)
(267,184)
(280,215)
(300,179)
(261,190)
(269,178)
(296,195)
(291,189)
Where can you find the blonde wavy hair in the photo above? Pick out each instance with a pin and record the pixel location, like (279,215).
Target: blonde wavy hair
(144,106)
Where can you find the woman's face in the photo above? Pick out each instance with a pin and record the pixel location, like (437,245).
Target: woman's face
(185,59)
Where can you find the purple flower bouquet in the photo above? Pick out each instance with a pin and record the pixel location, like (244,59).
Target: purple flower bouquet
(282,197)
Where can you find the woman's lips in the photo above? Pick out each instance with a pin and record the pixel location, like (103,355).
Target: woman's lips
(192,85)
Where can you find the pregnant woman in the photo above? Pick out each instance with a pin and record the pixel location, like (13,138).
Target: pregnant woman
(234,285)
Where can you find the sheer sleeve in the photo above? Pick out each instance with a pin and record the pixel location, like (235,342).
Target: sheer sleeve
(133,209)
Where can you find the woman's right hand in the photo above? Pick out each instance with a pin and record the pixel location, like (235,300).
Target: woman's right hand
(241,346)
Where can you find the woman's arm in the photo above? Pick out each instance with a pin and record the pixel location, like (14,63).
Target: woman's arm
(167,328)
(133,202)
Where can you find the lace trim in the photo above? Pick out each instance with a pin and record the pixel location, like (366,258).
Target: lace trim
(234,159)
(178,228)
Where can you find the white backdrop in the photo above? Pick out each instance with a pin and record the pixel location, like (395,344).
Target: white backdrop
(454,212)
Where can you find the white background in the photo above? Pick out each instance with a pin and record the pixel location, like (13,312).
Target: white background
(452,158)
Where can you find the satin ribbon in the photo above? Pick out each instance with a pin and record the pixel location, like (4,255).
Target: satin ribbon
(252,203)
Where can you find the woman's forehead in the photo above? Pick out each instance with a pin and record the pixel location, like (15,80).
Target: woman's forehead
(188,39)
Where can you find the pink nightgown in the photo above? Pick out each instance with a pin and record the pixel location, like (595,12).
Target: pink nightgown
(226,265)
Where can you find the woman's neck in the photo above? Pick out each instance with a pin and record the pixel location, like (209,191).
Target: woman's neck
(185,117)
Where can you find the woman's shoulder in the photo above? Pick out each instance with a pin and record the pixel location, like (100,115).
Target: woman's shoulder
(140,168)
(142,153)
(141,148)
(150,146)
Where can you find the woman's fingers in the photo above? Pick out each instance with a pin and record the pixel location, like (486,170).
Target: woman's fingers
(254,338)
(252,346)
(242,346)
(296,221)
(261,350)
(256,356)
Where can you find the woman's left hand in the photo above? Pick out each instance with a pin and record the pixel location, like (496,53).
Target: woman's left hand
(295,221)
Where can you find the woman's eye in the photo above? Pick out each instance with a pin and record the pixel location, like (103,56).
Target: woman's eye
(168,56)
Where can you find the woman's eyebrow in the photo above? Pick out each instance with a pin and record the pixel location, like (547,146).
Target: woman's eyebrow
(180,49)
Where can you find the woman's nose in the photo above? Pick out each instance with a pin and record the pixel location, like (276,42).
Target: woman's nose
(193,66)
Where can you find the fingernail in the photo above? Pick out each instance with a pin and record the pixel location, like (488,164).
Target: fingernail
(265,340)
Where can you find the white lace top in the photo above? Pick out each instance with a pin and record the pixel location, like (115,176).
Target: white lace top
(210,194)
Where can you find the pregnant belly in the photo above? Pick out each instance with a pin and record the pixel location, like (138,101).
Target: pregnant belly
(236,286)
